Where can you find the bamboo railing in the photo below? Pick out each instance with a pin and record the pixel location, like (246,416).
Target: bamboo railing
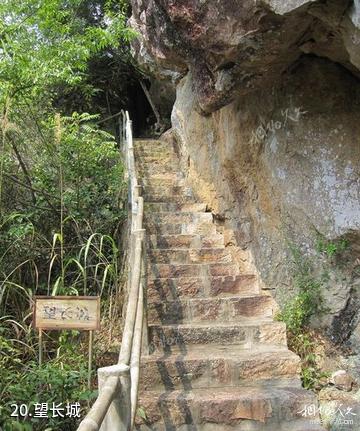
(115,406)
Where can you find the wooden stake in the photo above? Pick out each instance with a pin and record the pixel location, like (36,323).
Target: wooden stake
(91,337)
(40,347)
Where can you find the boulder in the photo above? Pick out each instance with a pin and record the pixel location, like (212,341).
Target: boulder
(233,48)
(342,380)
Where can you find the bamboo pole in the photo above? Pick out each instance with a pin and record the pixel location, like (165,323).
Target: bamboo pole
(103,412)
(136,354)
(96,415)
(118,415)
(125,352)
(140,214)
(145,334)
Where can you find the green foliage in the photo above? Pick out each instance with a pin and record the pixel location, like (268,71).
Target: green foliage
(57,381)
(297,313)
(331,248)
(312,377)
(91,169)
(304,344)
(61,190)
(50,42)
(141,413)
(293,313)
(42,253)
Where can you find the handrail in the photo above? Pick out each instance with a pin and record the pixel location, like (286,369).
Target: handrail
(115,406)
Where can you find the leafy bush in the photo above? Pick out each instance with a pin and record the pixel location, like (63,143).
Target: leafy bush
(66,241)
(294,313)
(297,313)
(54,382)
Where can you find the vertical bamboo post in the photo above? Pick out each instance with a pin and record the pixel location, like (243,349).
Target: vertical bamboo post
(118,415)
(124,130)
(126,384)
(140,211)
(130,124)
(134,207)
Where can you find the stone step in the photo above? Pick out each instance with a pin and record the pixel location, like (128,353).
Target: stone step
(246,333)
(167,195)
(296,425)
(151,144)
(150,162)
(146,155)
(216,366)
(191,255)
(209,310)
(202,227)
(143,152)
(147,170)
(171,181)
(166,176)
(246,408)
(156,218)
(184,242)
(166,191)
(164,270)
(165,289)
(150,207)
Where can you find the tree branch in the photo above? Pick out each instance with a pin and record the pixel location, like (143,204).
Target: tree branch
(42,192)
(24,169)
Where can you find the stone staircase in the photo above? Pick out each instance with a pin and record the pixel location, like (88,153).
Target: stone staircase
(217,359)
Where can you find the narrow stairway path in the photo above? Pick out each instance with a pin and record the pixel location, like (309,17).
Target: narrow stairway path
(218,360)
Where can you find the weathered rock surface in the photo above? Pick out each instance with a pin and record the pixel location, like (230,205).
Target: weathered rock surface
(232,48)
(277,156)
(294,177)
(339,409)
(342,380)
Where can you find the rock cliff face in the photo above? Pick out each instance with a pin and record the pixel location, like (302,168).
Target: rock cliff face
(267,117)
